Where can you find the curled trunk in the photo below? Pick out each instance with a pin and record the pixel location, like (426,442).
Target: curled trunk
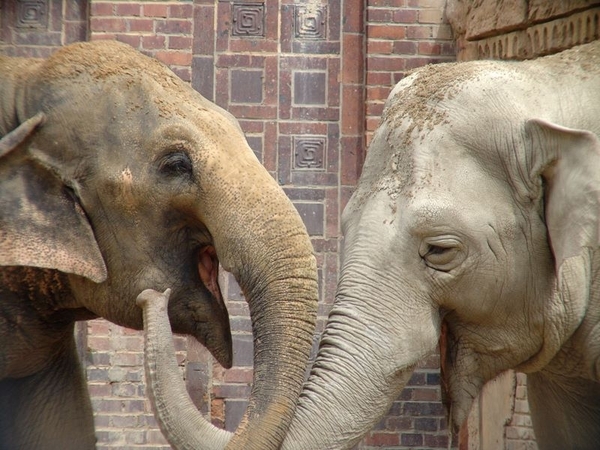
(169,396)
(360,370)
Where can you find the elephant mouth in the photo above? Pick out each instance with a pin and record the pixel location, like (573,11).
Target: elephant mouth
(216,333)
(208,269)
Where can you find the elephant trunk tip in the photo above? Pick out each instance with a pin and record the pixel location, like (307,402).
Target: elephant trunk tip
(149,296)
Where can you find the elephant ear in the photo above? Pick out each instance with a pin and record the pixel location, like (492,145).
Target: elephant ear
(568,162)
(41,222)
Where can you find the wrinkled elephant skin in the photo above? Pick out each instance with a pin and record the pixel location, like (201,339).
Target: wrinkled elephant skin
(477,213)
(116,177)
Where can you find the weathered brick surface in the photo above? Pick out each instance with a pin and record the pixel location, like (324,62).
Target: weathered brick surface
(519,29)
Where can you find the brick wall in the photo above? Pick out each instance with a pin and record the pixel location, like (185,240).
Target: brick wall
(308,86)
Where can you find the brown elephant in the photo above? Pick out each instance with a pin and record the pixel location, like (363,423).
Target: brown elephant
(116,176)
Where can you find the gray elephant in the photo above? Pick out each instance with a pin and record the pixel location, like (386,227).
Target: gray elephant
(475,225)
(116,176)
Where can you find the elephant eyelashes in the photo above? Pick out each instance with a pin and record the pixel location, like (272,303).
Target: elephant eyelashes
(176,164)
(443,255)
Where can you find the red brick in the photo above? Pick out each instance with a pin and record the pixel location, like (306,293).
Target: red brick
(405,16)
(174,26)
(153,42)
(386,31)
(389,3)
(180,42)
(426,394)
(372,123)
(352,104)
(238,375)
(151,10)
(144,25)
(131,39)
(108,24)
(379,15)
(379,47)
(353,59)
(379,78)
(99,342)
(102,36)
(430,48)
(405,47)
(378,92)
(181,11)
(387,64)
(128,9)
(102,9)
(378,439)
(352,21)
(374,109)
(174,58)
(411,439)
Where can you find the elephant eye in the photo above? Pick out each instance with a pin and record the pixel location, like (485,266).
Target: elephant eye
(176,164)
(442,254)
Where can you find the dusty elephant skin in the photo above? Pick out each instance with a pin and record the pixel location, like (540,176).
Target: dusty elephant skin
(475,225)
(116,177)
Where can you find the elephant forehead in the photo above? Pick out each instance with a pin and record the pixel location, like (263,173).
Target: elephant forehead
(101,60)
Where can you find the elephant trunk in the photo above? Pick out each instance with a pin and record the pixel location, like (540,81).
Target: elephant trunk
(260,238)
(272,259)
(360,369)
(362,365)
(169,396)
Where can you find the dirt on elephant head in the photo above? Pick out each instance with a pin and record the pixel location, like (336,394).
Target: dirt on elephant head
(413,111)
(418,104)
(100,60)
(103,61)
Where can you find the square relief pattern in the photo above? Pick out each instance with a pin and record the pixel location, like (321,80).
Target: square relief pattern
(32,14)
(309,152)
(310,22)
(248,19)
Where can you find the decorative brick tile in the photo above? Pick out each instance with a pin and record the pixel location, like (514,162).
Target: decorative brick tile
(310,21)
(313,216)
(248,19)
(309,152)
(246,86)
(310,88)
(32,14)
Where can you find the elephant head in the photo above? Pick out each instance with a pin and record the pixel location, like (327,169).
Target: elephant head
(475,221)
(119,174)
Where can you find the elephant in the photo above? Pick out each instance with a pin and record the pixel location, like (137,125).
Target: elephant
(117,176)
(474,229)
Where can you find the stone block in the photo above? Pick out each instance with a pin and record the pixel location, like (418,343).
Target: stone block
(544,10)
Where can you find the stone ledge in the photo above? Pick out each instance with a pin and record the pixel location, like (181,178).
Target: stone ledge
(536,40)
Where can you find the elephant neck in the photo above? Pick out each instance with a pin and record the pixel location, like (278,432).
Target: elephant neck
(580,355)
